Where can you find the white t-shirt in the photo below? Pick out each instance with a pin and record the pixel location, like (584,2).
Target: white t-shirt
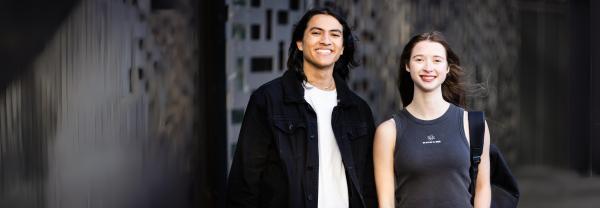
(333,189)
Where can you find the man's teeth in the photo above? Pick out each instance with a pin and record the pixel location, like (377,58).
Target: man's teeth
(324,51)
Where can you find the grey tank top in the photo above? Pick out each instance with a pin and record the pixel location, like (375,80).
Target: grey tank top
(431,161)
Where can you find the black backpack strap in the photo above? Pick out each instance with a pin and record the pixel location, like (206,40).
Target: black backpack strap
(476,134)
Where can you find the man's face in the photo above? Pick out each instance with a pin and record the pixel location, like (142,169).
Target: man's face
(323,42)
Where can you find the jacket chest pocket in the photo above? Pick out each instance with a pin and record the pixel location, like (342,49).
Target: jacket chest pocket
(355,131)
(291,136)
(357,136)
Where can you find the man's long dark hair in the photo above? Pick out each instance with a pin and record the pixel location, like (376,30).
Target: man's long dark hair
(342,65)
(453,89)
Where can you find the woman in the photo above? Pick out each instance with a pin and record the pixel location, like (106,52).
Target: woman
(422,155)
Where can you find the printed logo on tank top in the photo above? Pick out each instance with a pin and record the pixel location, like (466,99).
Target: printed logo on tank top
(430,139)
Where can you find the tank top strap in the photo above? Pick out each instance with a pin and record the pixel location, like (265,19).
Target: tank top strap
(400,122)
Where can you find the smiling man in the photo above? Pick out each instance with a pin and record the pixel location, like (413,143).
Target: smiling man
(306,139)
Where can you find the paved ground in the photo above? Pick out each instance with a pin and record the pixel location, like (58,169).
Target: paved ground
(548,188)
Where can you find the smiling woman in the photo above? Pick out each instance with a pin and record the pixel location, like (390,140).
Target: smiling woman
(425,147)
(452,86)
(428,65)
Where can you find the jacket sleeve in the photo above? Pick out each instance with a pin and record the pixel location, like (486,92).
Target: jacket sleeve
(250,156)
(369,190)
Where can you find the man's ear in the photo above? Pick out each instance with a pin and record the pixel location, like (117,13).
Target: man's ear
(299,45)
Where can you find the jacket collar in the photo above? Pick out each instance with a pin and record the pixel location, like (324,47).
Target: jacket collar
(294,92)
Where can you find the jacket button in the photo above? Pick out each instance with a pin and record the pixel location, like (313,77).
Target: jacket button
(309,197)
(312,137)
(291,126)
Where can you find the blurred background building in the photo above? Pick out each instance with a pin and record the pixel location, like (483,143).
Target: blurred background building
(258,36)
(138,103)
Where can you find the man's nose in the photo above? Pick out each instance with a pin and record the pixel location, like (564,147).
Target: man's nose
(325,39)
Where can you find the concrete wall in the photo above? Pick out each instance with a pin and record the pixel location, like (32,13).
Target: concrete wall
(105,117)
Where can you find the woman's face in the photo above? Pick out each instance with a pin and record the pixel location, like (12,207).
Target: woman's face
(428,65)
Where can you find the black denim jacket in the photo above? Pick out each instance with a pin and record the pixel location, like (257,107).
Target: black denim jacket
(276,161)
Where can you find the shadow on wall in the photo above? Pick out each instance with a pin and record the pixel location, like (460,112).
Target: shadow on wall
(104,115)
(25,28)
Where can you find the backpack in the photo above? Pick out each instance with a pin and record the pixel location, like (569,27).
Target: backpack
(505,192)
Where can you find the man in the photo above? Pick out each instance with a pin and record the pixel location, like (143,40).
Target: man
(306,139)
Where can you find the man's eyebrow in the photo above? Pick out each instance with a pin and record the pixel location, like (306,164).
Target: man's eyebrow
(316,28)
(332,30)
